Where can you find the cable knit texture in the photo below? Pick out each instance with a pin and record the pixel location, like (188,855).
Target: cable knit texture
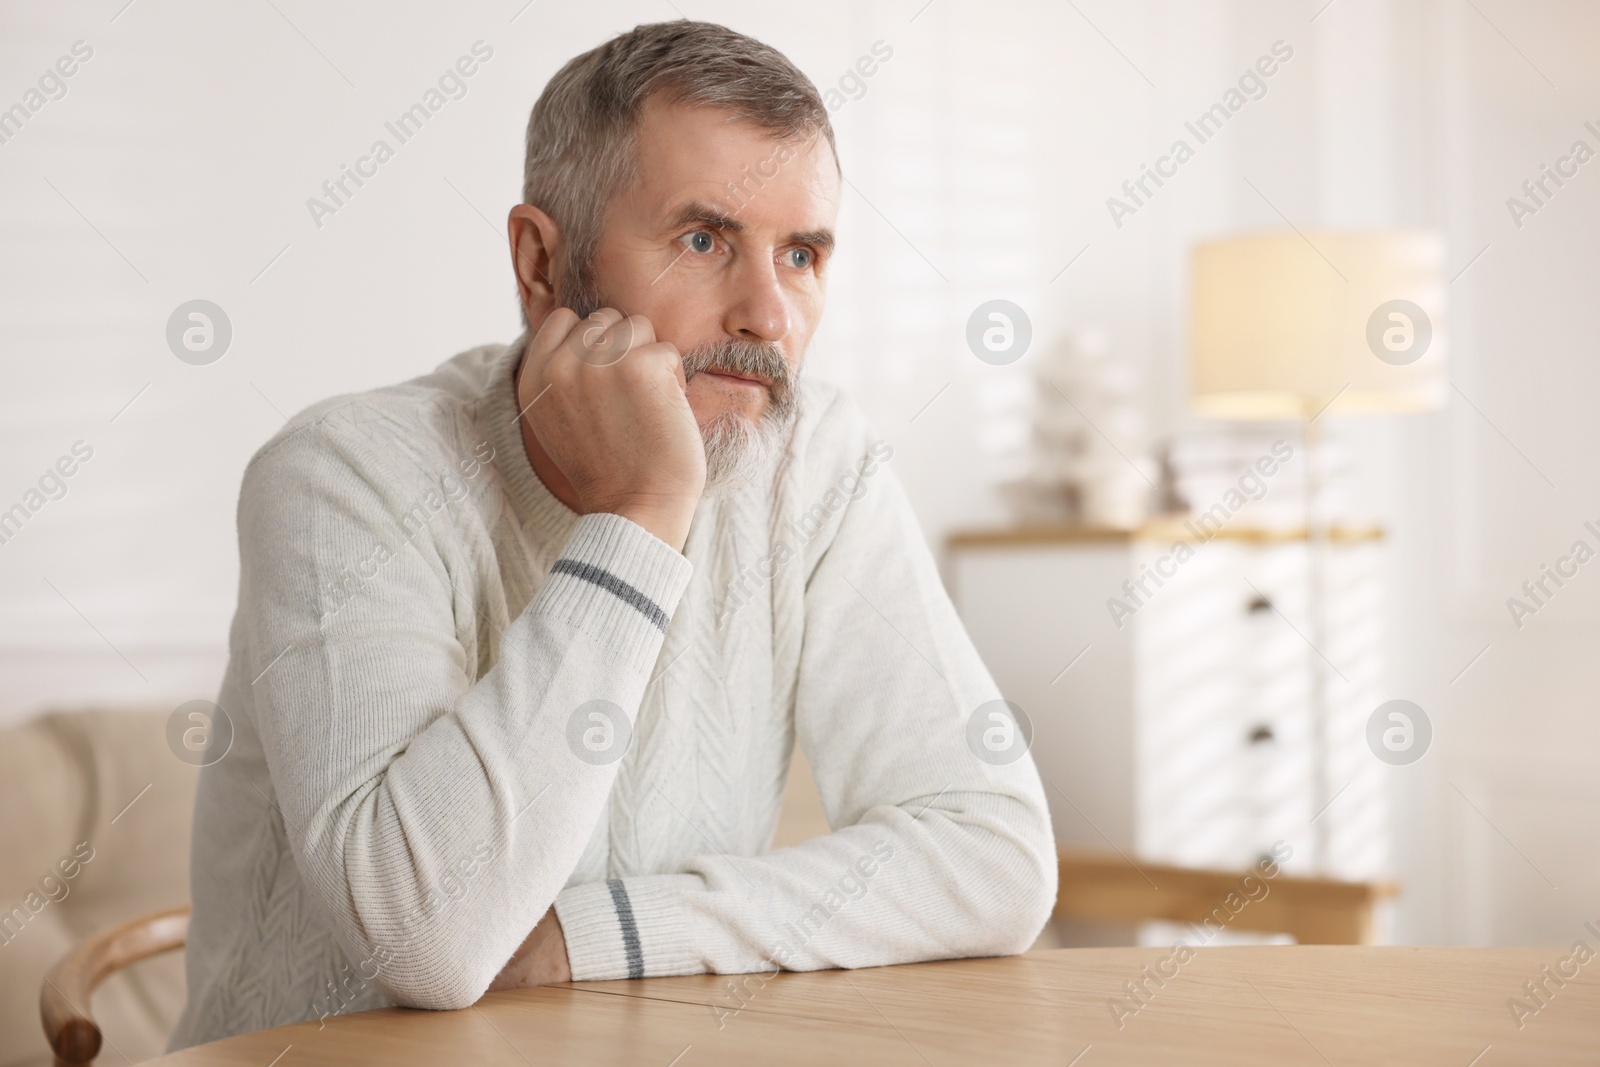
(429,660)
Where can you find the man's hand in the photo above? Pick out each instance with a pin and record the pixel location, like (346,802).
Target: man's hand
(613,416)
(539,960)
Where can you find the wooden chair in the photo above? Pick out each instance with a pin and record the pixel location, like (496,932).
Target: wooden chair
(64,998)
(1314,911)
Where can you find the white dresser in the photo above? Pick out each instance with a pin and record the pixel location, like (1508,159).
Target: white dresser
(1181,731)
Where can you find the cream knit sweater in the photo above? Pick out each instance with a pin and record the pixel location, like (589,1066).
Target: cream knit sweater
(456,703)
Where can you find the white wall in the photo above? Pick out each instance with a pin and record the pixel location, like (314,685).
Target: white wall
(179,162)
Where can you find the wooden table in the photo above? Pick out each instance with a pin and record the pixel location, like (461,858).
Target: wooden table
(1310,1005)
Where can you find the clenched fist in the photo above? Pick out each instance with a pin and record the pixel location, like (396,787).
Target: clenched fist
(612,415)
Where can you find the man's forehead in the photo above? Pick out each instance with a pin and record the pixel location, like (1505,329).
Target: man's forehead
(694,158)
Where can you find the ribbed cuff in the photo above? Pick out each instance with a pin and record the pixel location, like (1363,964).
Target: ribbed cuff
(625,928)
(619,583)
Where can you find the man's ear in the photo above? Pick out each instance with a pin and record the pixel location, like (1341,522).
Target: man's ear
(535,243)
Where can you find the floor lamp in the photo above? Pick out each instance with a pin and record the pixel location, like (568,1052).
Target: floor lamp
(1306,326)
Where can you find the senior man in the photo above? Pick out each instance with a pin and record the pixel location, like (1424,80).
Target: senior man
(523,646)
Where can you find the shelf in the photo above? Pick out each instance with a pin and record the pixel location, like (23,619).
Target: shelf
(1164,528)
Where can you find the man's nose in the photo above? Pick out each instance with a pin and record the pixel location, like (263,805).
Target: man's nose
(759,310)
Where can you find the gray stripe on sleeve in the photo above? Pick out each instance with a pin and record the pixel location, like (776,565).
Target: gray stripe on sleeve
(630,929)
(615,586)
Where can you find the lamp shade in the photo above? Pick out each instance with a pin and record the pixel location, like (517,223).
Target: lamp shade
(1282,325)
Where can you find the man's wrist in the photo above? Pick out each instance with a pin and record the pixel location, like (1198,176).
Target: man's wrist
(555,965)
(668,524)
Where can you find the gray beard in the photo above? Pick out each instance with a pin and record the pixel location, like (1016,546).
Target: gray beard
(740,452)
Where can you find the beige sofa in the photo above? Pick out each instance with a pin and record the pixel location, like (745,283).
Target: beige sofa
(97,813)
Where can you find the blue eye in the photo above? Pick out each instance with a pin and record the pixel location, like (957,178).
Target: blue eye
(801,257)
(701,241)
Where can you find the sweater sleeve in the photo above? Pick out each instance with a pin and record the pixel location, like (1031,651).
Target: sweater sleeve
(942,845)
(435,817)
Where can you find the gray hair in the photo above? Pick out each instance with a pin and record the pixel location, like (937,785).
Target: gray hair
(583,132)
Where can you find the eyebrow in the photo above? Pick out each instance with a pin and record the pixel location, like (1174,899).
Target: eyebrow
(717,219)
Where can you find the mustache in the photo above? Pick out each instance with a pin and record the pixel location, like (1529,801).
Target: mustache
(749,359)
